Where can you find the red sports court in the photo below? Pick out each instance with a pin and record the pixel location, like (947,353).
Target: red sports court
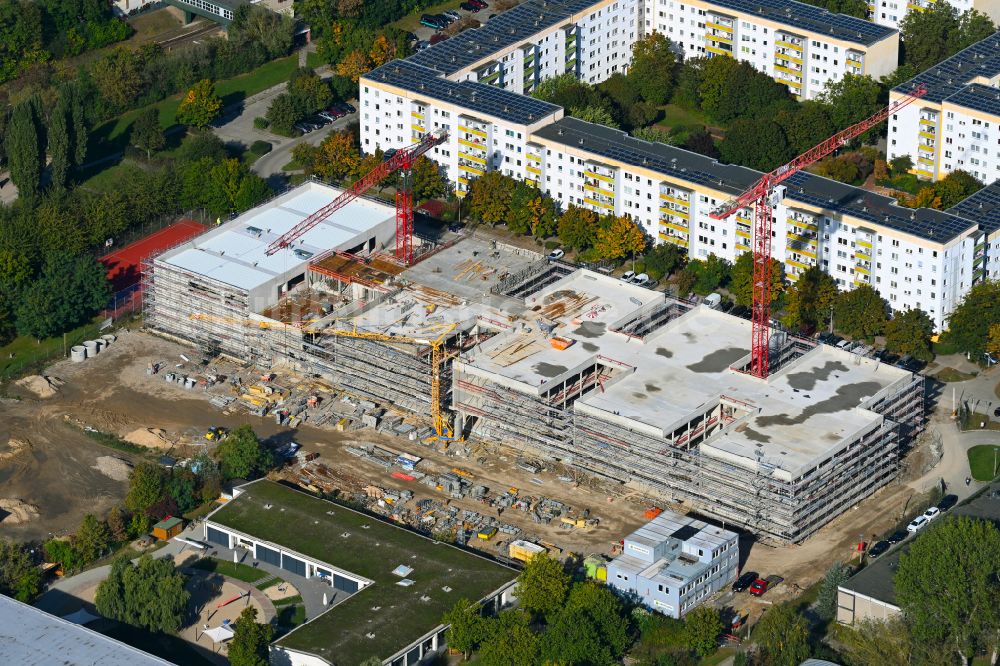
(124,265)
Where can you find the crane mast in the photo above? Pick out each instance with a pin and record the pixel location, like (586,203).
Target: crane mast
(395,160)
(761,196)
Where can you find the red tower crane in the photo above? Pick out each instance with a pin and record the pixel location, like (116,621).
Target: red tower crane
(760,195)
(395,160)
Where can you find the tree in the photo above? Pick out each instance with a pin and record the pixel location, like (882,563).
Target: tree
(651,71)
(92,538)
(354,65)
(879,642)
(909,332)
(19,576)
(62,552)
(146,486)
(146,132)
(602,613)
(702,627)
(149,594)
(704,277)
(577,227)
(249,646)
(181,487)
(969,324)
(571,638)
(655,135)
(542,585)
(531,211)
(594,114)
(118,524)
(242,455)
(808,301)
(24,148)
(466,625)
(618,237)
(759,144)
(901,164)
(490,196)
(427,183)
(59,140)
(337,157)
(382,51)
(118,77)
(662,260)
(783,636)
(806,126)
(309,92)
(933,35)
(69,292)
(741,279)
(200,105)
(946,584)
(955,187)
(701,141)
(283,113)
(826,604)
(851,99)
(860,312)
(510,641)
(993,340)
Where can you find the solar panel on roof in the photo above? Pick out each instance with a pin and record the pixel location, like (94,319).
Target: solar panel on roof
(951,75)
(803,187)
(983,207)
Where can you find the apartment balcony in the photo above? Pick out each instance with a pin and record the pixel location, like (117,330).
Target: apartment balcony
(600,172)
(806,225)
(533,169)
(471,167)
(787,55)
(807,238)
(473,159)
(674,237)
(720,25)
(789,42)
(669,212)
(601,203)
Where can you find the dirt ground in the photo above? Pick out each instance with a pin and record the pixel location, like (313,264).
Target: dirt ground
(113,394)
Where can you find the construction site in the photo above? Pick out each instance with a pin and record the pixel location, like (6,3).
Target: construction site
(474,341)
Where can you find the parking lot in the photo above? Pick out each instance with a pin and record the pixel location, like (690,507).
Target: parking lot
(424,33)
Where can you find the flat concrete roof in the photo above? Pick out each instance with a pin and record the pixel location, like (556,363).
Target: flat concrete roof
(469,269)
(798,416)
(235,252)
(31,637)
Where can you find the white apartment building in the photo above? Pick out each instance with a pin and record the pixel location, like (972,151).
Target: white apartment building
(956,125)
(799,45)
(891,13)
(916,258)
(540,39)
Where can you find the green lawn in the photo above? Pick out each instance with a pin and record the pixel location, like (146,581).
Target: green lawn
(288,601)
(172,648)
(720,656)
(290,617)
(677,116)
(953,375)
(981,463)
(25,354)
(411,22)
(110,137)
(232,569)
(314,60)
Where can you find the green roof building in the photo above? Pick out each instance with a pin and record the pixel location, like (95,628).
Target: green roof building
(399,583)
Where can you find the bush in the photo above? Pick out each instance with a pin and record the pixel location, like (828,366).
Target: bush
(639,266)
(260,147)
(551,244)
(261,122)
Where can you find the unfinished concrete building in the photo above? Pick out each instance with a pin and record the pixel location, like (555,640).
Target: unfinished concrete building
(653,393)
(570,365)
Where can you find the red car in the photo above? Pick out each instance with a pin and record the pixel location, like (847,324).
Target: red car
(758,587)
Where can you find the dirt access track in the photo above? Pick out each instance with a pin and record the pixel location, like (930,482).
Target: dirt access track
(112,393)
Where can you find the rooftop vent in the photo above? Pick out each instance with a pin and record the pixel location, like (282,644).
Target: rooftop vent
(303,254)
(559,131)
(255,232)
(581,141)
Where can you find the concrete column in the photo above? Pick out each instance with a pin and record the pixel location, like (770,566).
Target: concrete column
(459,423)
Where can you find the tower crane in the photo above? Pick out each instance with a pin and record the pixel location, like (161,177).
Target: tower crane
(761,196)
(395,160)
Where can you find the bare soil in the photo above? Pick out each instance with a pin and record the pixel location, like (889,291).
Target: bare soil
(112,393)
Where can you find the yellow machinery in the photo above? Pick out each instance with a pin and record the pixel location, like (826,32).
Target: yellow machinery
(442,427)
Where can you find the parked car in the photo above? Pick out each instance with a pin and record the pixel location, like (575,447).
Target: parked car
(897,537)
(640,279)
(421,45)
(762,585)
(445,20)
(303,127)
(350,108)
(431,21)
(452,14)
(917,524)
(932,513)
(628,276)
(652,284)
(558,253)
(947,502)
(741,311)
(469,7)
(878,548)
(318,121)
(327,114)
(996,412)
(743,582)
(479,3)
